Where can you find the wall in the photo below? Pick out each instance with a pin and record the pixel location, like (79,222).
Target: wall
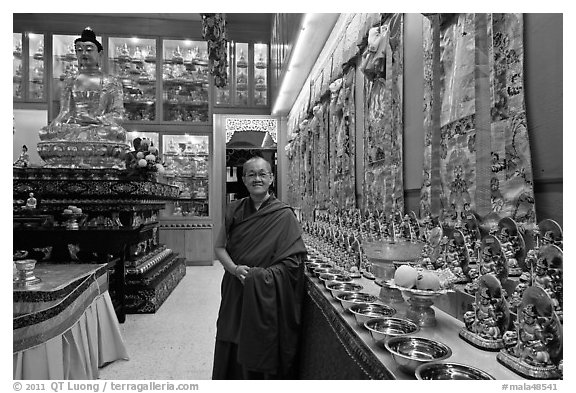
(543,57)
(543,95)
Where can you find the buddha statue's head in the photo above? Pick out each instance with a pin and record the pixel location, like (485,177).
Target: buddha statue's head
(88,50)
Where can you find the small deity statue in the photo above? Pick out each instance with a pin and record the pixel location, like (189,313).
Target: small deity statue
(90,115)
(405,227)
(550,278)
(23,159)
(509,248)
(524,281)
(532,338)
(489,319)
(485,322)
(31,201)
(534,348)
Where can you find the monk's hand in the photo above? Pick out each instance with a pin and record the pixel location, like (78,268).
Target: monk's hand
(240,272)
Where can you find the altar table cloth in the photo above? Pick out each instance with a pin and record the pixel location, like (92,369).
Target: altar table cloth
(65,327)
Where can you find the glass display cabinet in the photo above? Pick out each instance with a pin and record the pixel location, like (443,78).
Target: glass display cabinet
(241,74)
(185,82)
(133,60)
(186,163)
(29,82)
(261,74)
(17,67)
(247,75)
(186,224)
(153,137)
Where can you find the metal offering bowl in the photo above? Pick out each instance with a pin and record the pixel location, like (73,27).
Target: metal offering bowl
(387,252)
(450,371)
(383,328)
(313,265)
(334,277)
(337,288)
(411,352)
(363,312)
(321,270)
(349,299)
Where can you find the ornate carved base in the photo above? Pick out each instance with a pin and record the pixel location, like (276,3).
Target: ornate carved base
(83,154)
(527,370)
(152,289)
(480,342)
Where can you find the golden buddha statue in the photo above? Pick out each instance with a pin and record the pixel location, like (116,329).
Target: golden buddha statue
(87,131)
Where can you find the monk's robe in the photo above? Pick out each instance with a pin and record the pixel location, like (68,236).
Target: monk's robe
(261,319)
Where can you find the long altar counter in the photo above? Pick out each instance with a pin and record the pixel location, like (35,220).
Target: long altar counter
(335,347)
(65,326)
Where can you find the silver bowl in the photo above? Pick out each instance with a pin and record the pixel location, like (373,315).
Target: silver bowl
(364,312)
(411,352)
(450,371)
(336,287)
(310,266)
(383,328)
(321,270)
(349,299)
(334,277)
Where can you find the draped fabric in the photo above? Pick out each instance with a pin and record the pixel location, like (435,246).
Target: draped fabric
(319,127)
(342,140)
(262,316)
(476,154)
(383,186)
(91,342)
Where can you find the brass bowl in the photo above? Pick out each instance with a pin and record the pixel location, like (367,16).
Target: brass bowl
(349,299)
(363,312)
(386,327)
(334,277)
(336,288)
(435,371)
(411,352)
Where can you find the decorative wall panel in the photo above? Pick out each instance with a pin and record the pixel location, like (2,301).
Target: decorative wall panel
(477,155)
(383,185)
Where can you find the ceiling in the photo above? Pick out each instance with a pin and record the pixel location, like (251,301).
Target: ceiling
(235,19)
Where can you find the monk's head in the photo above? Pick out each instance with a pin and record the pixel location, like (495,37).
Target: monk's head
(257,176)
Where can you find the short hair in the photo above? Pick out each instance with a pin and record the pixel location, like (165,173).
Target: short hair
(256,158)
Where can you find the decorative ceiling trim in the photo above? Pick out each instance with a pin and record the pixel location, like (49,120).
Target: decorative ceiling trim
(239,124)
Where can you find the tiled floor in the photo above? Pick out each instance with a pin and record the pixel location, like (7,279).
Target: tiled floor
(177,342)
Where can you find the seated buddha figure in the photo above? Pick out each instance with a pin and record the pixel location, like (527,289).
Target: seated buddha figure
(87,130)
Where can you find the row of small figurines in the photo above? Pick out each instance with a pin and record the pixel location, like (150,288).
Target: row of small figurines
(533,258)
(530,342)
(506,249)
(377,225)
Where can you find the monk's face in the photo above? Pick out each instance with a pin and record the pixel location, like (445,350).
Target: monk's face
(258,177)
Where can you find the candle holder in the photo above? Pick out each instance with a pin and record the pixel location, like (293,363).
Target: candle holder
(25,273)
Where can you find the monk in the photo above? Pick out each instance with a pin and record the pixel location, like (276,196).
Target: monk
(262,252)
